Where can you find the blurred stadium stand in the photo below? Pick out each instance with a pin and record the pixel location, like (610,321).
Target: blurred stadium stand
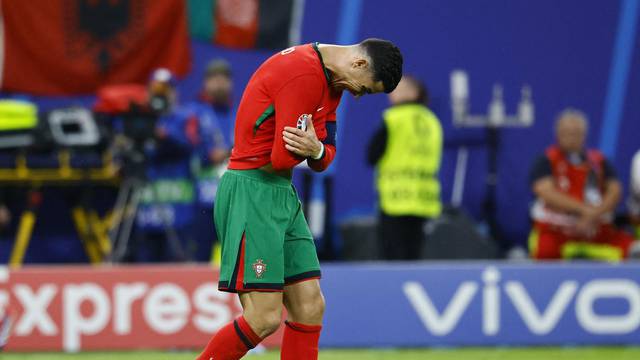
(564,59)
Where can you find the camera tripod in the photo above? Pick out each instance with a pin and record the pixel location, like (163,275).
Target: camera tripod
(126,209)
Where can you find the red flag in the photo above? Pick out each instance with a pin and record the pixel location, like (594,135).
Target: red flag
(237,22)
(247,24)
(57,47)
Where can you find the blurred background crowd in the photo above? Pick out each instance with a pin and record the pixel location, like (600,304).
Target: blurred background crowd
(117,119)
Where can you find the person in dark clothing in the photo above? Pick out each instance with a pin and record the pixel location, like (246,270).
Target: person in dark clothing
(406,151)
(215,103)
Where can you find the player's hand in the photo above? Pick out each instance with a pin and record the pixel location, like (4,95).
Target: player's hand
(300,142)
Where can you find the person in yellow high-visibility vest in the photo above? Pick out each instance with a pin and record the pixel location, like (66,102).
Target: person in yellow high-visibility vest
(406,152)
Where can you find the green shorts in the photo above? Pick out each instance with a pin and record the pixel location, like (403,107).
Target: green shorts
(266,242)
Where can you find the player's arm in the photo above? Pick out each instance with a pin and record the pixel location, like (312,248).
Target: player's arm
(298,97)
(329,151)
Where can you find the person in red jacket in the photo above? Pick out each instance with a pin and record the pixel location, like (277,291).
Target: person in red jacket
(577,192)
(287,115)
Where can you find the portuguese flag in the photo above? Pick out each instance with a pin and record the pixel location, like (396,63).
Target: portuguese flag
(60,47)
(247,24)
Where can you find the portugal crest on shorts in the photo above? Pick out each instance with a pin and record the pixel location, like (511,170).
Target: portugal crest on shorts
(259,268)
(302,121)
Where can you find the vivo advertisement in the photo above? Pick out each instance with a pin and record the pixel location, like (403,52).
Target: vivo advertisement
(385,305)
(454,304)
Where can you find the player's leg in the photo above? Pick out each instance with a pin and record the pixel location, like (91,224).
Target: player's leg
(305,309)
(261,316)
(302,296)
(263,311)
(252,241)
(304,302)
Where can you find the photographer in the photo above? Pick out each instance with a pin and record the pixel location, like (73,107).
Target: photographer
(166,211)
(217,95)
(216,114)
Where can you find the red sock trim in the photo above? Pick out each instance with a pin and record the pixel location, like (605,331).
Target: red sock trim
(303,328)
(248,332)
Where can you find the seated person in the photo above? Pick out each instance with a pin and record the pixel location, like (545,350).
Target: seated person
(577,192)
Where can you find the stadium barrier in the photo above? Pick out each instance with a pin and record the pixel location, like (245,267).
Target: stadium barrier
(75,308)
(482,304)
(368,305)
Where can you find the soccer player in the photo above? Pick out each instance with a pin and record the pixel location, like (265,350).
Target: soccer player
(287,115)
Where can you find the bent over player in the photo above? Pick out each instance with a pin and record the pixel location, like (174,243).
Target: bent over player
(287,115)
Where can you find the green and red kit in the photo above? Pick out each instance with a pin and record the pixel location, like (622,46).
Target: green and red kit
(266,242)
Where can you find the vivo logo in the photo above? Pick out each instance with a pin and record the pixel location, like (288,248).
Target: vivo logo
(539,319)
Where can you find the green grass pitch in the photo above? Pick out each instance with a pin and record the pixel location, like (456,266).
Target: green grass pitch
(606,353)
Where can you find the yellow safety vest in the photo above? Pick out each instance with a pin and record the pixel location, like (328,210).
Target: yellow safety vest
(407,173)
(17,115)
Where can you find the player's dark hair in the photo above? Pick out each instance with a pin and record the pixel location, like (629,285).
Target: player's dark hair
(387,62)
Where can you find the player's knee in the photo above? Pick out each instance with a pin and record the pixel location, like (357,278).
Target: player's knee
(269,323)
(312,311)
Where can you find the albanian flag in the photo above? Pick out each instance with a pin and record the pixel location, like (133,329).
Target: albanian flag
(58,47)
(247,24)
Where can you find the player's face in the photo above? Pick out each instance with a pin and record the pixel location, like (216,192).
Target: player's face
(359,80)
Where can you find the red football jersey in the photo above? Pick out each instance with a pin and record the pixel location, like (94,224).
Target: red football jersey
(288,89)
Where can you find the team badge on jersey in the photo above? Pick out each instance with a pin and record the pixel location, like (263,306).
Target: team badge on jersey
(302,121)
(259,268)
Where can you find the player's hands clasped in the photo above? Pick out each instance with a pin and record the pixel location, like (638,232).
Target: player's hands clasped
(300,142)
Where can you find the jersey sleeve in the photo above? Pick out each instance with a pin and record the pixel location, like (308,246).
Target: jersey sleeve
(329,149)
(299,96)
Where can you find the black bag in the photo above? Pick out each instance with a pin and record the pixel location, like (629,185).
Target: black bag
(454,235)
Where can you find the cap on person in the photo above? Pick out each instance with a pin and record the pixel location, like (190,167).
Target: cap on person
(163,75)
(218,67)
